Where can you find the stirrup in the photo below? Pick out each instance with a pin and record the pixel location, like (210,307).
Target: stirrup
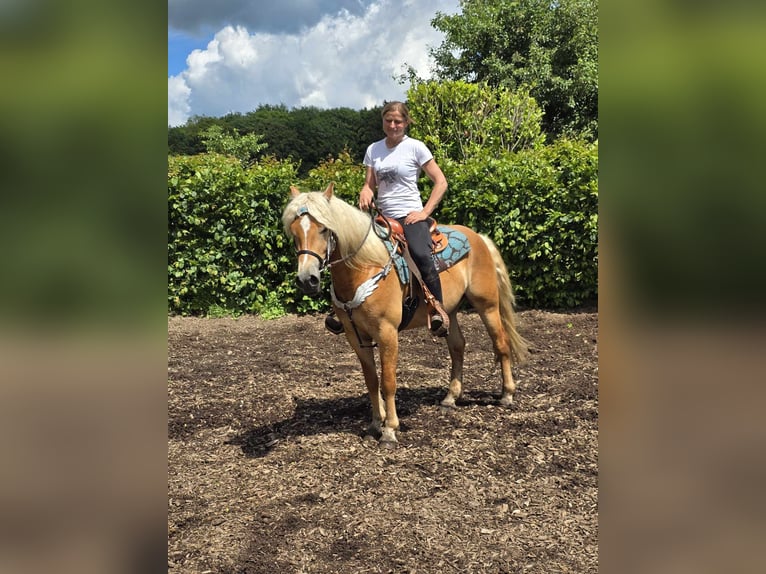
(439,322)
(332,324)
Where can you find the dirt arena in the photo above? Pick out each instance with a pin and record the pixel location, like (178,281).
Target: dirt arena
(268,472)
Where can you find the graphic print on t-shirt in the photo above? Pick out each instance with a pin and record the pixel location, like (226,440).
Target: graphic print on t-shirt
(386,175)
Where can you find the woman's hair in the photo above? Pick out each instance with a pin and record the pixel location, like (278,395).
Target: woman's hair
(395,106)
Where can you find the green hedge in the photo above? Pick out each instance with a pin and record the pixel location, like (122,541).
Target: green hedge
(343,171)
(540,206)
(227,253)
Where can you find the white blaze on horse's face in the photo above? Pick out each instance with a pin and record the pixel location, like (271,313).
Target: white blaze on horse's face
(311,243)
(305,228)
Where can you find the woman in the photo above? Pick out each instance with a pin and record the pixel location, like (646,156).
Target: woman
(393,166)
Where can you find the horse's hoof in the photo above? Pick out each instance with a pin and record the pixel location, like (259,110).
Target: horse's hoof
(447,409)
(372,432)
(448,403)
(388,438)
(369,438)
(506,401)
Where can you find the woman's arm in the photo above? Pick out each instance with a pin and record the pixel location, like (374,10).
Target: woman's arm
(367,195)
(435,174)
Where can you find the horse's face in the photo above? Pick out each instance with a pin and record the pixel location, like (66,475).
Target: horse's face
(314,244)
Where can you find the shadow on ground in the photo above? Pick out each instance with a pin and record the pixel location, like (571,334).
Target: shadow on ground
(349,415)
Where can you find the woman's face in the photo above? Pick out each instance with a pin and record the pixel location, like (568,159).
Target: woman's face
(394,125)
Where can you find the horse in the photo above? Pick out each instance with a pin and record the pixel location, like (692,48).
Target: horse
(331,234)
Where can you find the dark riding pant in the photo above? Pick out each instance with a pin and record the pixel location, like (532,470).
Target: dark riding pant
(418,237)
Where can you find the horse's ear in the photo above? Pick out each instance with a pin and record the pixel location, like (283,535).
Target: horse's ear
(328,191)
(294,192)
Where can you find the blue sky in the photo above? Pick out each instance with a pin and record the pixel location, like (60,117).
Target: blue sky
(235,55)
(181,45)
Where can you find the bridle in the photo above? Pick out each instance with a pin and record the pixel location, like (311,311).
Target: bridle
(325,263)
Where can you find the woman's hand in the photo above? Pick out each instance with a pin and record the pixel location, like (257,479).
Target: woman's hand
(366,198)
(415,216)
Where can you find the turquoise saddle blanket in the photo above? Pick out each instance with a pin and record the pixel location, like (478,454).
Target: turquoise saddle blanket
(457,248)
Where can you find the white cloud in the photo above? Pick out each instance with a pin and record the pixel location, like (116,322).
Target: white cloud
(345,60)
(178,101)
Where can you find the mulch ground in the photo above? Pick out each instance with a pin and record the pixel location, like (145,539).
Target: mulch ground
(268,472)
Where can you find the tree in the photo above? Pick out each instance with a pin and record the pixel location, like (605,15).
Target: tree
(458,120)
(548,46)
(245,148)
(184,140)
(307,135)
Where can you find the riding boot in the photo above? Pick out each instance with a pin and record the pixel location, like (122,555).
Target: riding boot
(438,319)
(332,324)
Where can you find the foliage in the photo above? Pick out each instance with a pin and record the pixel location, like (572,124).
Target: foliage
(550,48)
(344,172)
(540,206)
(184,140)
(307,136)
(459,120)
(243,147)
(226,249)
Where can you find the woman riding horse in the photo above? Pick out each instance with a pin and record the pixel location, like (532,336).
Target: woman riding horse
(331,234)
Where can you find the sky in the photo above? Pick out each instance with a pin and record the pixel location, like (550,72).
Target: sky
(236,55)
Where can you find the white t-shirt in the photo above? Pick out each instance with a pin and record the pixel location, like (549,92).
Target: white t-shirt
(396,171)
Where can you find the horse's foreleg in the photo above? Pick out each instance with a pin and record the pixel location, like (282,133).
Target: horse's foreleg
(456,346)
(389,354)
(367,360)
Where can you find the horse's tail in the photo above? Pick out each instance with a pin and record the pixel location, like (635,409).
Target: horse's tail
(519,345)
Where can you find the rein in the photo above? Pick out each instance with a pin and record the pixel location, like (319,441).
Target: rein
(364,239)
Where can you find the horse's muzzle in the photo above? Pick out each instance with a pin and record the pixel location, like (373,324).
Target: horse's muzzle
(309,283)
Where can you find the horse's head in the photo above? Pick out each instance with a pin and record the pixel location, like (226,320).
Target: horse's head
(324,226)
(314,242)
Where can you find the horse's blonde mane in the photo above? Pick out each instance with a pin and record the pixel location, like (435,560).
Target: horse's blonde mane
(350,225)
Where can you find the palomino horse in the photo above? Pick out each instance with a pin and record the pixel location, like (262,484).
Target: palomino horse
(330,233)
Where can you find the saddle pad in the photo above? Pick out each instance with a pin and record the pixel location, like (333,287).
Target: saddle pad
(457,248)
(401,265)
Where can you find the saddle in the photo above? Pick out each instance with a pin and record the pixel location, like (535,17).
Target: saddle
(396,232)
(438,243)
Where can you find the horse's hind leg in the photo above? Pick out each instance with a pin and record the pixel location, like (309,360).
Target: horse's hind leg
(502,345)
(456,346)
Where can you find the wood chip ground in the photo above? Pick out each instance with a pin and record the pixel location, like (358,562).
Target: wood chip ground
(268,472)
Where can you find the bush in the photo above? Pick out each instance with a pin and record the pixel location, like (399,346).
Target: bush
(460,121)
(540,206)
(228,254)
(226,249)
(347,174)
